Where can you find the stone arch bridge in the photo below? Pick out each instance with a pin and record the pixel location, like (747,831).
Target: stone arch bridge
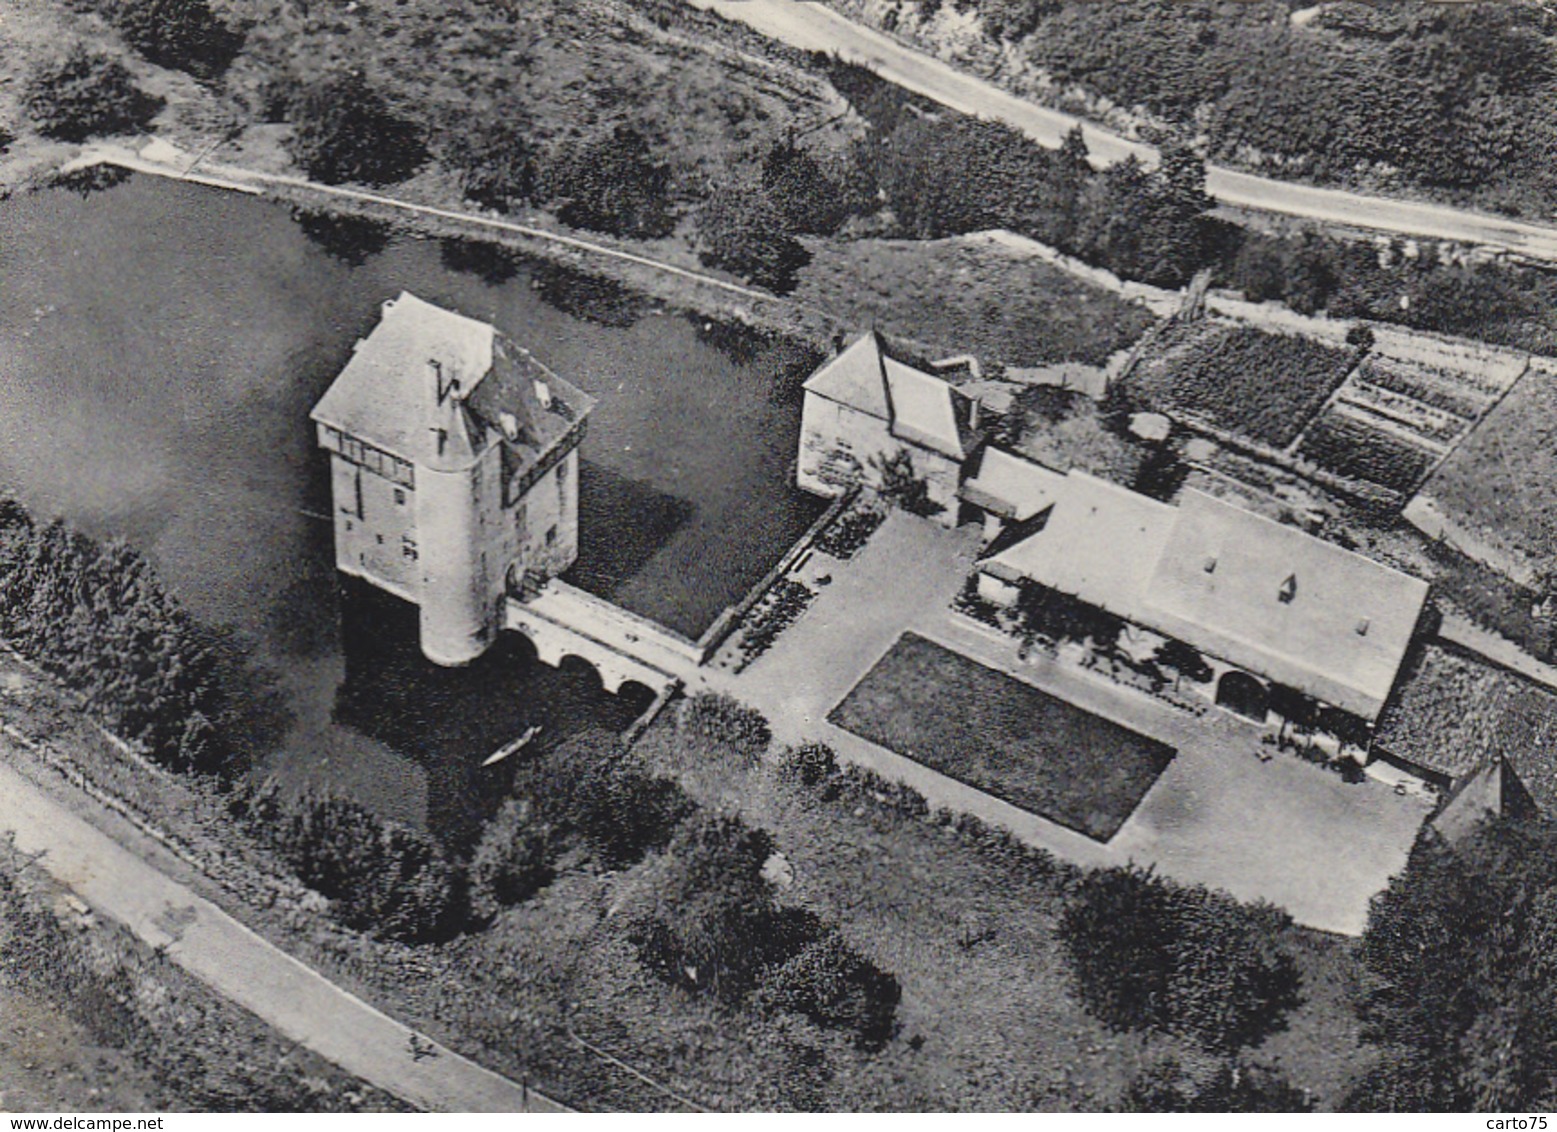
(561,620)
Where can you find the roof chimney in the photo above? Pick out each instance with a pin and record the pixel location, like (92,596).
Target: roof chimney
(543,394)
(442,389)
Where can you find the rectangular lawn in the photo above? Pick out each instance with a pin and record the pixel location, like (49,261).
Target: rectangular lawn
(997,734)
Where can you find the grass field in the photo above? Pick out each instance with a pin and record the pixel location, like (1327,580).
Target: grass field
(966,295)
(990,731)
(1502,478)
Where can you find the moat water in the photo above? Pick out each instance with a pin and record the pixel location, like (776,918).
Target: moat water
(160,348)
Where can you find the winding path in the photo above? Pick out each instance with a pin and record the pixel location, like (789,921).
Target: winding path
(208,943)
(813,27)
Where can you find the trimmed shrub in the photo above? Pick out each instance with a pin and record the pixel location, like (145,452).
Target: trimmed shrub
(343,130)
(725,720)
(809,765)
(512,860)
(834,985)
(84,94)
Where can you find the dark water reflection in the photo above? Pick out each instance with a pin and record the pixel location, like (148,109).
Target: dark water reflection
(160,347)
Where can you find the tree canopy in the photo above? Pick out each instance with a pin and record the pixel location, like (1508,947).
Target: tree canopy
(1148,954)
(612,183)
(1460,953)
(343,130)
(184,34)
(741,230)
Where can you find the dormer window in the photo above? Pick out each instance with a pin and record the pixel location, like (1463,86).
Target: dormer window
(1288,590)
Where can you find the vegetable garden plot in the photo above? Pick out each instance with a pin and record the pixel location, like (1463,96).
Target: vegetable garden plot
(1263,386)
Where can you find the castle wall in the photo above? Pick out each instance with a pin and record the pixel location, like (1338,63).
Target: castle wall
(375,528)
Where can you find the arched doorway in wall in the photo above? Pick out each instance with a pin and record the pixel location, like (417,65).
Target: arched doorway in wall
(1238,691)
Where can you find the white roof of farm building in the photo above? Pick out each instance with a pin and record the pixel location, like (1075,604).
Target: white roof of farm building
(1278,601)
(1100,544)
(1012,486)
(1264,596)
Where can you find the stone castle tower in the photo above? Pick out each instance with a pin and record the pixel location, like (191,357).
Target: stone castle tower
(454,470)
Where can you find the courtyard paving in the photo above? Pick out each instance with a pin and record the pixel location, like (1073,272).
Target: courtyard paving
(1228,812)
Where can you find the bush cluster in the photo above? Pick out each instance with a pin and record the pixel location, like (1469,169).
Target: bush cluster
(383,878)
(95,616)
(511,862)
(591,790)
(741,230)
(613,182)
(85,93)
(1148,954)
(723,719)
(1443,96)
(832,984)
(495,159)
(809,766)
(344,130)
(184,34)
(710,924)
(1150,226)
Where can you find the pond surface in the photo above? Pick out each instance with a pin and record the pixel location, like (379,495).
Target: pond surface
(160,348)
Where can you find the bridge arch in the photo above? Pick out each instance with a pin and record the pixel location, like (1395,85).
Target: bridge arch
(586,667)
(636,691)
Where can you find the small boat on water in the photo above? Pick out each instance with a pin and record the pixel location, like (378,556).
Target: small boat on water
(507,749)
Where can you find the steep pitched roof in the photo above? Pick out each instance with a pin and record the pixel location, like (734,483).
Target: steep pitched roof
(1493,789)
(437,388)
(1276,600)
(919,407)
(855,378)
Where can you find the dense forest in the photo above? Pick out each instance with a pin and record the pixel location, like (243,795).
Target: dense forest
(1453,97)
